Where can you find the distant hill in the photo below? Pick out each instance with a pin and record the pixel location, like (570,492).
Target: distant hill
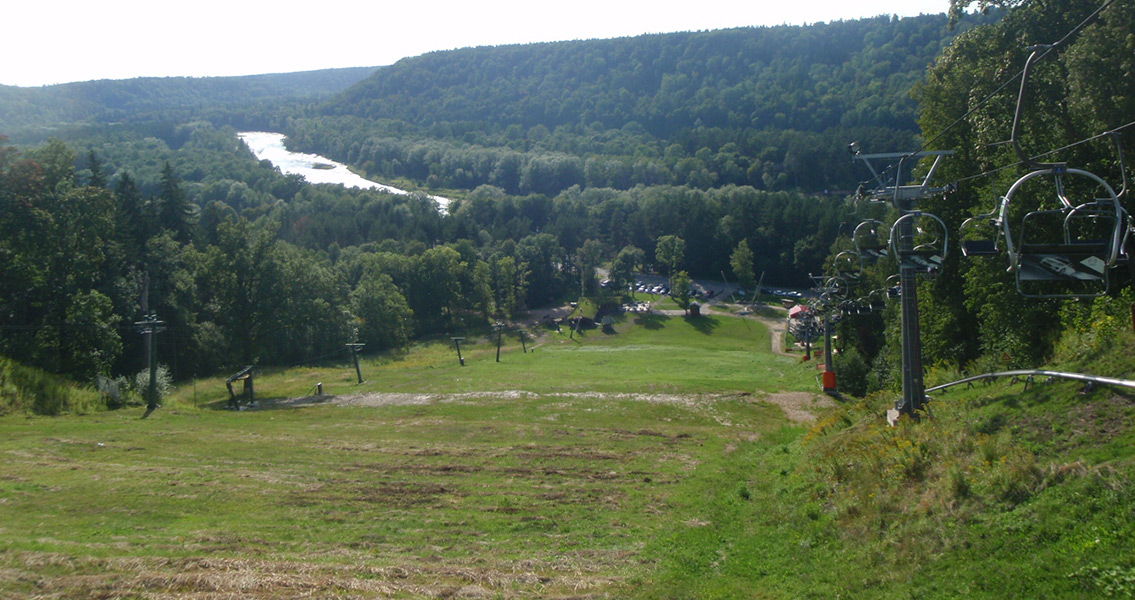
(106,101)
(768,107)
(847,73)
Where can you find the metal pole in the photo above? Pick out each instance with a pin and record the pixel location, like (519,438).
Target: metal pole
(500,332)
(827,342)
(829,380)
(913,388)
(522,341)
(457,343)
(152,392)
(148,327)
(355,356)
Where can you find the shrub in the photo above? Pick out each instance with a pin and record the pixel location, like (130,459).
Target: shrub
(164,381)
(851,372)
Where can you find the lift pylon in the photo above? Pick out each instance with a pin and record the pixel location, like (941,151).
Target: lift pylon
(905,198)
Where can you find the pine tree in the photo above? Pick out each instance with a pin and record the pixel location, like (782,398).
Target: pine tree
(175,213)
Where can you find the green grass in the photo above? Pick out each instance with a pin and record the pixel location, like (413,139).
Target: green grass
(649,354)
(27,390)
(673,480)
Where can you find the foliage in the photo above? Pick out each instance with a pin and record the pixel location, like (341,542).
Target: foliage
(680,288)
(28,390)
(742,263)
(626,264)
(141,98)
(384,318)
(851,372)
(768,107)
(162,381)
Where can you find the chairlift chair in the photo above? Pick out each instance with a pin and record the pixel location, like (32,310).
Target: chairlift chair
(1074,245)
(848,264)
(835,287)
(868,241)
(876,301)
(925,249)
(893,288)
(979,236)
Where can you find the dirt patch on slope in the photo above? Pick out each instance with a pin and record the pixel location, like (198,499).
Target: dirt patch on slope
(798,406)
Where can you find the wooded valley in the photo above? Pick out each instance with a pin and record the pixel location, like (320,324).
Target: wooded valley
(560,157)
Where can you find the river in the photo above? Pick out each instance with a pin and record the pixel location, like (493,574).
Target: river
(313,167)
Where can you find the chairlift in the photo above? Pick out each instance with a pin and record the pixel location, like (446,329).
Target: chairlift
(868,240)
(980,236)
(924,249)
(1072,244)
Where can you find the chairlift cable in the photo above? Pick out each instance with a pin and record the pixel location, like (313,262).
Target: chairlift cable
(1049,153)
(1046,50)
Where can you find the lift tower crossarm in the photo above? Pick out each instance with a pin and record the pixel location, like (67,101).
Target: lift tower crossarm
(904,193)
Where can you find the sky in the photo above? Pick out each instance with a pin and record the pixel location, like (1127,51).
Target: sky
(59,41)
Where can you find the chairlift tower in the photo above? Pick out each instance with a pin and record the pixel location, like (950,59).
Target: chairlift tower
(905,199)
(148,326)
(354,348)
(499,327)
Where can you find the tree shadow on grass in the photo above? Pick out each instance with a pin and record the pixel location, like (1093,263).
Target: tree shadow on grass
(704,324)
(651,321)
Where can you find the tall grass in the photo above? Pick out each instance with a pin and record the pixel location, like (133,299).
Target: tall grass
(24,389)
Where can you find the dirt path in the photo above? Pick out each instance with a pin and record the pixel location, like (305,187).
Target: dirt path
(797,406)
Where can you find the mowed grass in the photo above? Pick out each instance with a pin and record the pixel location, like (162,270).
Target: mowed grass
(647,354)
(478,495)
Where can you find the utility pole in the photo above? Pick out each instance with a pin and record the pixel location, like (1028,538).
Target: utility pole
(355,356)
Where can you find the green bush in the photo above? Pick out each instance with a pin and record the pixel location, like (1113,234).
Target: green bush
(163,379)
(851,372)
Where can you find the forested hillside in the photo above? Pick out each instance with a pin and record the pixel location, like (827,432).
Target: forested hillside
(148,98)
(771,107)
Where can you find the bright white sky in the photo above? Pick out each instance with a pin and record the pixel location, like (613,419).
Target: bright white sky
(58,41)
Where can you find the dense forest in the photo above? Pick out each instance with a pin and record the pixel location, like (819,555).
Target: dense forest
(560,157)
(771,108)
(24,112)
(1079,101)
